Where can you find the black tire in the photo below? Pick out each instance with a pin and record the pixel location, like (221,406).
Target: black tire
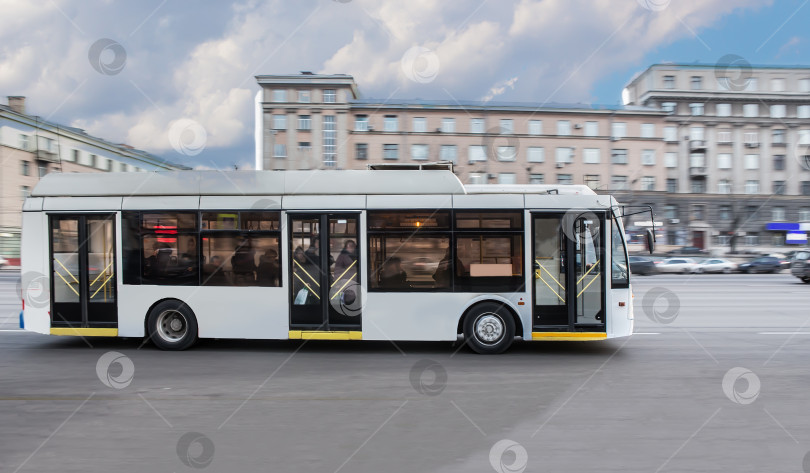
(806,279)
(489,318)
(171,325)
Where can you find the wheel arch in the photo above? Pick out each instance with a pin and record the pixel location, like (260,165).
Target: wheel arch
(507,304)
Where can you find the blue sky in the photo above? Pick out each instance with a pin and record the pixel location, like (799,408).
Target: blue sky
(193,61)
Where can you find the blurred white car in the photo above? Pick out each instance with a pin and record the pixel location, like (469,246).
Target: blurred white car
(3,261)
(677,265)
(716,265)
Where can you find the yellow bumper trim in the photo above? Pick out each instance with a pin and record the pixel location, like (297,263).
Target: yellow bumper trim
(85,332)
(574,336)
(324,335)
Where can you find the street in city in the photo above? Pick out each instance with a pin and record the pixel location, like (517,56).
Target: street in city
(715,379)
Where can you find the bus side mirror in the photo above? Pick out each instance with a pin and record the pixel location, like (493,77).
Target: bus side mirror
(650,240)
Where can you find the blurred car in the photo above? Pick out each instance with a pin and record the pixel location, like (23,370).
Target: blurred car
(783,259)
(687,250)
(424,265)
(641,265)
(677,265)
(800,267)
(716,265)
(3,261)
(765,264)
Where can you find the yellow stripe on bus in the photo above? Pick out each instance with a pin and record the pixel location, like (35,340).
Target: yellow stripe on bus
(85,331)
(578,336)
(324,335)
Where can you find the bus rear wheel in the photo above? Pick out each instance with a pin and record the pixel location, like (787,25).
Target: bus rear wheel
(489,328)
(172,326)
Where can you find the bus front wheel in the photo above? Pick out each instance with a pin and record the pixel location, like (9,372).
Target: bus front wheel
(172,326)
(489,328)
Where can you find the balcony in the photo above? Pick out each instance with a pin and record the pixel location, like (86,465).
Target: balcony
(49,156)
(698,171)
(697,145)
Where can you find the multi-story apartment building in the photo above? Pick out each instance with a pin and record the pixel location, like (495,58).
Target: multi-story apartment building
(31,147)
(735,152)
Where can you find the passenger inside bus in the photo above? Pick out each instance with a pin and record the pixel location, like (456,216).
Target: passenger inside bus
(346,262)
(392,276)
(214,273)
(267,272)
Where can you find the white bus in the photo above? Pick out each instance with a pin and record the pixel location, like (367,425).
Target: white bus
(338,255)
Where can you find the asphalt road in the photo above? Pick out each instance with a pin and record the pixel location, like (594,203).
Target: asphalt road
(717,378)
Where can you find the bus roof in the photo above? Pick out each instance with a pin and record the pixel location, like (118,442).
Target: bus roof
(245,183)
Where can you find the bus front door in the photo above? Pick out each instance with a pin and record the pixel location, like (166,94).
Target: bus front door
(83,270)
(324,266)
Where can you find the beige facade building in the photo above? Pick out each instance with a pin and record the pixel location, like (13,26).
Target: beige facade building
(31,147)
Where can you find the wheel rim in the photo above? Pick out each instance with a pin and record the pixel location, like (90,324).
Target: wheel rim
(171,326)
(489,328)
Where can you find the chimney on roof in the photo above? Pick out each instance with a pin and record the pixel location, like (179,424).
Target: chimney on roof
(17,103)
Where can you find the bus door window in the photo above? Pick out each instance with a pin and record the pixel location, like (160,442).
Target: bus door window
(588,269)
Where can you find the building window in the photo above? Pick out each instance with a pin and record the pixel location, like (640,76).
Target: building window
(563,127)
(779,162)
(724,212)
(618,156)
(804,85)
(304,146)
(723,109)
(670,134)
(778,214)
(565,179)
(777,85)
(477,153)
(696,109)
(724,136)
(541,179)
(507,127)
(478,178)
(329,140)
(618,130)
(698,186)
(669,82)
(672,185)
(390,123)
(724,186)
(803,111)
(804,137)
(535,127)
(805,187)
(752,186)
(361,123)
(25,168)
(648,157)
(751,110)
(42,170)
(752,239)
(564,155)
(698,212)
(648,130)
(449,153)
(724,161)
(751,137)
(507,178)
(671,160)
(329,95)
(669,106)
(591,128)
(304,122)
(697,133)
(361,151)
(618,183)
(419,125)
(751,161)
(279,122)
(535,154)
(506,153)
(390,151)
(448,125)
(778,136)
(591,156)
(303,96)
(778,111)
(804,214)
(697,82)
(779,187)
(671,211)
(648,183)
(476,125)
(419,152)
(697,160)
(73,156)
(279,150)
(592,180)
(24,142)
(279,95)
(25,191)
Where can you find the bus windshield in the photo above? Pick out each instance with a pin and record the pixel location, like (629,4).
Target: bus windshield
(618,252)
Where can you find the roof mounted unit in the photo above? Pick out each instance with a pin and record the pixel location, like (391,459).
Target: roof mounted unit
(437,166)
